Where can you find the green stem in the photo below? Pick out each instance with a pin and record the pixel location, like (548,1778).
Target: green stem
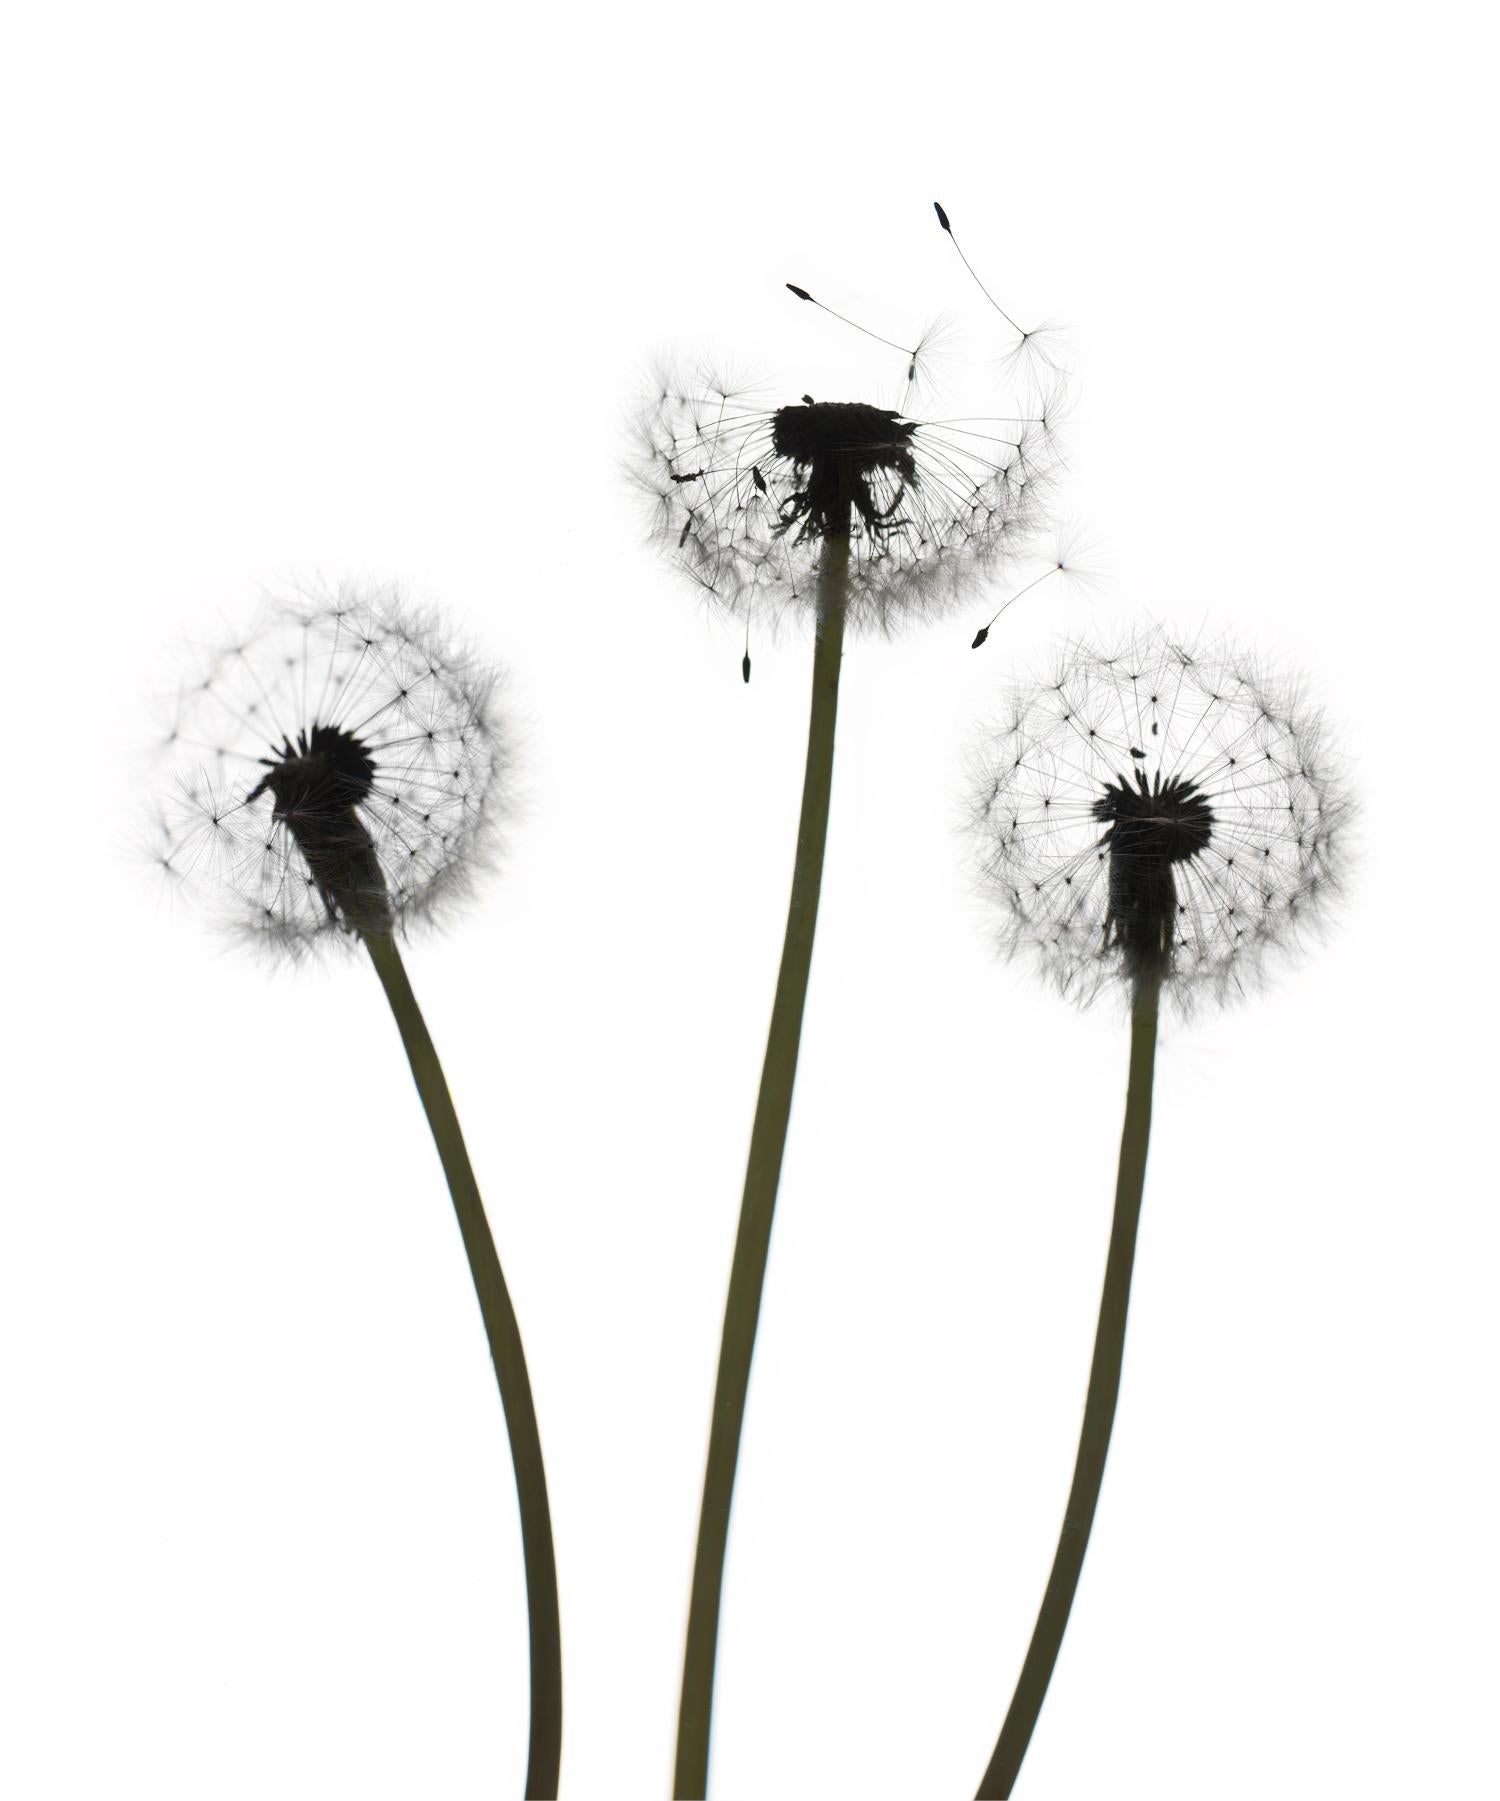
(762,1176)
(510,1369)
(1099,1409)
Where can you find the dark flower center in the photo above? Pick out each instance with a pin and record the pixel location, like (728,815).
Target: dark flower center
(839,450)
(316,782)
(323,774)
(1151,827)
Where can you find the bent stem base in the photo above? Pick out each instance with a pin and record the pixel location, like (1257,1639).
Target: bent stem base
(504,1335)
(1099,1409)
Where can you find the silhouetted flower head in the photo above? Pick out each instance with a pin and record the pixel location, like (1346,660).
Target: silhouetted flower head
(1159,808)
(745,495)
(334,771)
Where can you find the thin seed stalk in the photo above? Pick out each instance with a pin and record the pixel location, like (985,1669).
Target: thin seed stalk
(504,1335)
(762,1177)
(1099,1409)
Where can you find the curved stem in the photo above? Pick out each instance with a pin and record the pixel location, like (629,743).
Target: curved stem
(504,1337)
(1099,1409)
(762,1176)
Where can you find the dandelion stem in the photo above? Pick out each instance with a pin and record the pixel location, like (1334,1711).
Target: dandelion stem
(762,1176)
(504,1337)
(1099,1409)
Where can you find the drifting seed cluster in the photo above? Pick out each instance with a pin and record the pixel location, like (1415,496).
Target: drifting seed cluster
(334,771)
(1159,807)
(744,497)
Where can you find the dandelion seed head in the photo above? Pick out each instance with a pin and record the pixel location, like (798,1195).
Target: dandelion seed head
(336,770)
(744,495)
(1162,806)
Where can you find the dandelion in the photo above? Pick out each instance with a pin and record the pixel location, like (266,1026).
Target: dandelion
(748,498)
(1160,819)
(1157,807)
(336,769)
(850,513)
(337,777)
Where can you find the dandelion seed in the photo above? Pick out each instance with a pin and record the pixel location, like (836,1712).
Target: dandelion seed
(1155,819)
(1041,344)
(1069,560)
(338,774)
(929,349)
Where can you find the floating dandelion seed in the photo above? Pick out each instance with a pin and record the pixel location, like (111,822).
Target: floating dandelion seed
(931,348)
(1069,560)
(1042,345)
(337,770)
(1161,818)
(746,496)
(337,775)
(1160,799)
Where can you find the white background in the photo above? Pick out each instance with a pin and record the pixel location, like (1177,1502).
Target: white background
(302,291)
